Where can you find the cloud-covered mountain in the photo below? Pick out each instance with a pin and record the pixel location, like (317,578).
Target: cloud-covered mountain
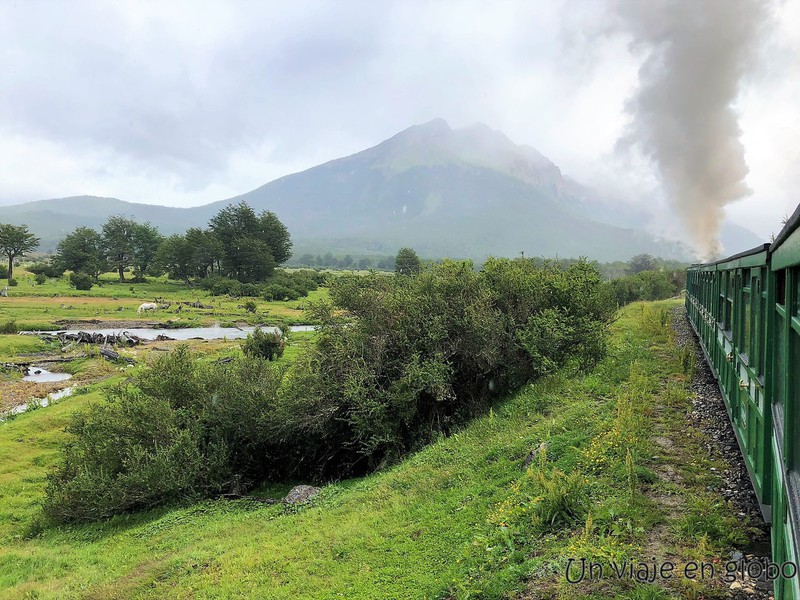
(467,192)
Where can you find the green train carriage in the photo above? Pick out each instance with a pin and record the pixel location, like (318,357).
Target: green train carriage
(745,310)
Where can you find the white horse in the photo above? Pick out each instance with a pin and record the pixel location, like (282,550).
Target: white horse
(147,306)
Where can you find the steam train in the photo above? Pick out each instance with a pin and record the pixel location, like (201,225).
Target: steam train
(745,310)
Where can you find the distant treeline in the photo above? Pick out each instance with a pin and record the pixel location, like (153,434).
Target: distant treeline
(237,254)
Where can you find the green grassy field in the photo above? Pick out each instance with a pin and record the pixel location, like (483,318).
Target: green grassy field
(462,518)
(55,304)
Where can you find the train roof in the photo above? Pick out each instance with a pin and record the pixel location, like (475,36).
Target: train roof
(785,250)
(752,252)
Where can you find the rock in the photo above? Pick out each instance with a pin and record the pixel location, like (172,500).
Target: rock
(301,493)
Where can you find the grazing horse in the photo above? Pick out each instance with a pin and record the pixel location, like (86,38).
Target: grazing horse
(147,306)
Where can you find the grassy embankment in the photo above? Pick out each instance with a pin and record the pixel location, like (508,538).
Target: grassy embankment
(462,518)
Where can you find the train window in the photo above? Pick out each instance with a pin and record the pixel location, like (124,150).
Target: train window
(779,373)
(728,316)
(780,287)
(747,322)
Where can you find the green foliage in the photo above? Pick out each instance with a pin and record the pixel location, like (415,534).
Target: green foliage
(40,279)
(250,306)
(145,241)
(46,268)
(3,271)
(648,285)
(186,429)
(252,245)
(81,281)
(82,250)
(15,241)
(265,345)
(407,262)
(640,263)
(561,500)
(400,359)
(118,243)
(281,285)
(12,282)
(9,327)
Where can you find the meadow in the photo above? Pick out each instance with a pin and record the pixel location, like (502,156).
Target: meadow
(565,467)
(54,305)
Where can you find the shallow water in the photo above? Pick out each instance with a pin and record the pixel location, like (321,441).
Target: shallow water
(51,397)
(204,333)
(42,375)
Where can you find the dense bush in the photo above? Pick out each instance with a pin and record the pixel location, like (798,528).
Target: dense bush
(266,345)
(3,271)
(9,327)
(280,286)
(648,285)
(40,279)
(81,281)
(48,269)
(185,429)
(13,282)
(400,359)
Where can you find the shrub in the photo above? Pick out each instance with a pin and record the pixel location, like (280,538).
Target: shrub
(40,279)
(561,499)
(187,429)
(400,359)
(275,291)
(397,361)
(262,344)
(9,327)
(48,269)
(81,281)
(3,271)
(13,282)
(250,306)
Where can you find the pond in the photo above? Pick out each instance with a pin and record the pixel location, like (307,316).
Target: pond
(190,333)
(42,375)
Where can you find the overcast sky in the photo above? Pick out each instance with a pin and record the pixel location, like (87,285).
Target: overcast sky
(184,103)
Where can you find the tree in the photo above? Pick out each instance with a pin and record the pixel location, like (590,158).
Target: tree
(364,263)
(641,262)
(16,241)
(207,251)
(118,243)
(254,259)
(145,240)
(175,256)
(252,245)
(407,262)
(81,252)
(276,236)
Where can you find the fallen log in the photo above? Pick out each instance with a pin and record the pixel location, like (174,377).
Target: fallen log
(109,354)
(39,361)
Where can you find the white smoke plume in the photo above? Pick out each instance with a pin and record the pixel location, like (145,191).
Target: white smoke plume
(697,52)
